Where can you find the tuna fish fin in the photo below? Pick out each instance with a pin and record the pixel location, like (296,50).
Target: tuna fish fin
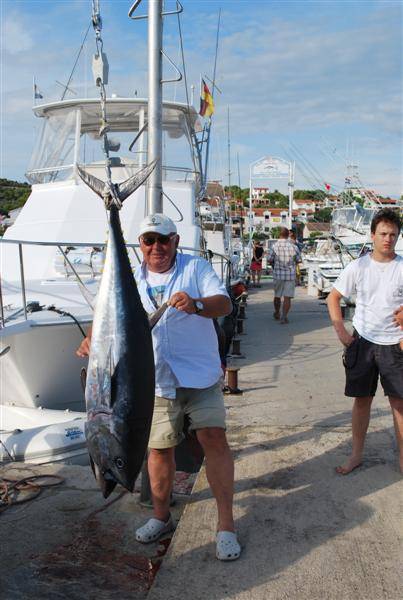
(155,317)
(130,185)
(97,185)
(105,480)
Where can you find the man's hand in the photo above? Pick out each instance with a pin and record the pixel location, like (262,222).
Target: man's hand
(398,317)
(182,301)
(84,348)
(345,337)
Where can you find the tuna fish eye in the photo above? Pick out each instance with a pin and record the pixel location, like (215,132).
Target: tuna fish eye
(119,462)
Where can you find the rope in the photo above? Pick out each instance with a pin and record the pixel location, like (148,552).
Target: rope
(18,491)
(64,313)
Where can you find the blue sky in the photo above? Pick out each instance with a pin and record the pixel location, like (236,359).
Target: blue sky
(319,82)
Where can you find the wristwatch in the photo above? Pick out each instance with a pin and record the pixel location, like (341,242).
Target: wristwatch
(198,306)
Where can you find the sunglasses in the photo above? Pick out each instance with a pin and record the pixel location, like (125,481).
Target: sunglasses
(149,240)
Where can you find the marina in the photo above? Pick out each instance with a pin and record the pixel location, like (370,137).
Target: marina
(137,332)
(306,532)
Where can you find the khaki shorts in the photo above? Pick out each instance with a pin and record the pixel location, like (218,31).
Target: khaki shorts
(284,288)
(205,408)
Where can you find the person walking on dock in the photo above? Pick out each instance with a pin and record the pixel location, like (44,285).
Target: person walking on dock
(376,346)
(256,263)
(283,256)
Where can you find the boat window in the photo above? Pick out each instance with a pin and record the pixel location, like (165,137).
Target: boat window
(52,158)
(55,153)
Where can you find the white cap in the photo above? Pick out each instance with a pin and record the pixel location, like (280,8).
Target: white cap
(157,223)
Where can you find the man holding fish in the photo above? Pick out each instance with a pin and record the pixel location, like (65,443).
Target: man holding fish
(187,375)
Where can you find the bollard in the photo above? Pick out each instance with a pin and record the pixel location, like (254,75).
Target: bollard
(239,326)
(243,299)
(236,349)
(232,378)
(241,314)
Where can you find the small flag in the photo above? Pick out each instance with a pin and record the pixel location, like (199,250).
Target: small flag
(327,186)
(37,93)
(206,101)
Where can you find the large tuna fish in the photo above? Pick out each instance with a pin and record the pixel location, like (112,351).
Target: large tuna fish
(120,377)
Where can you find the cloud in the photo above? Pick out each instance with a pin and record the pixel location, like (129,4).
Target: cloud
(16,37)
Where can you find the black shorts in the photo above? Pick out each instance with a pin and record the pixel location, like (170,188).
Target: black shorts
(364,361)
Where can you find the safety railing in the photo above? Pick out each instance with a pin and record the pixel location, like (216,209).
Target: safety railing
(223,263)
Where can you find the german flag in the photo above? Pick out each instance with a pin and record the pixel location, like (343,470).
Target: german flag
(206,101)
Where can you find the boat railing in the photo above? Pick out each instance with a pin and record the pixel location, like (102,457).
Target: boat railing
(186,173)
(223,263)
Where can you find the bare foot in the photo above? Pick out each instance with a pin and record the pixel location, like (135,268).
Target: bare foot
(349,466)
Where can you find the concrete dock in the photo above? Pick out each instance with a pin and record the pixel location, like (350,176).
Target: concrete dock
(306,532)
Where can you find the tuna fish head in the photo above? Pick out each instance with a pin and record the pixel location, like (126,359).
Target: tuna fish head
(110,462)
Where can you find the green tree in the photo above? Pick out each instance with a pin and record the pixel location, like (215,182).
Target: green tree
(277,199)
(275,232)
(324,215)
(13,194)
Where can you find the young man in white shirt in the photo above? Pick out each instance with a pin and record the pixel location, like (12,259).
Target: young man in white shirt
(376,346)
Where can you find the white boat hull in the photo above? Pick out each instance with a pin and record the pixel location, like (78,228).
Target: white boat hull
(41,368)
(42,436)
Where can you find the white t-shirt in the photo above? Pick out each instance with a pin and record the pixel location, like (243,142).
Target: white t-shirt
(157,283)
(379,289)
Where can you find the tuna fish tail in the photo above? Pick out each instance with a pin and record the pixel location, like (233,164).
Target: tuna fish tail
(119,191)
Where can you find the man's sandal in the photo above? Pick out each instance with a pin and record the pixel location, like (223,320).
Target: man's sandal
(228,547)
(153,530)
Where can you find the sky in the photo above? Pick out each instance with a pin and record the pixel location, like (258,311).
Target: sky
(318,83)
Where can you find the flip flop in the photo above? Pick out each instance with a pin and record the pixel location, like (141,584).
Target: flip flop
(228,547)
(276,316)
(153,530)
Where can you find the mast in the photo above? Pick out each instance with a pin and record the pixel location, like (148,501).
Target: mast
(229,151)
(240,192)
(154,190)
(212,93)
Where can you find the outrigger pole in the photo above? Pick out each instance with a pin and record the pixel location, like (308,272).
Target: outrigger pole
(212,93)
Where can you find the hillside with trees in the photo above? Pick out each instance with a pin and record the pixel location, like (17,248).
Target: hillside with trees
(13,194)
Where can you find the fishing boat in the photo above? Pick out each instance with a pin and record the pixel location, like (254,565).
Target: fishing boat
(52,256)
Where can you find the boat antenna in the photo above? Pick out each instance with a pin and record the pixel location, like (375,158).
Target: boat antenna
(229,150)
(239,185)
(191,129)
(212,93)
(66,87)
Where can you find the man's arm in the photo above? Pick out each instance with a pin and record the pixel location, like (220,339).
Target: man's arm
(333,305)
(84,348)
(214,306)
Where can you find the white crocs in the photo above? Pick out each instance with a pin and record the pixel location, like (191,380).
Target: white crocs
(153,530)
(228,547)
